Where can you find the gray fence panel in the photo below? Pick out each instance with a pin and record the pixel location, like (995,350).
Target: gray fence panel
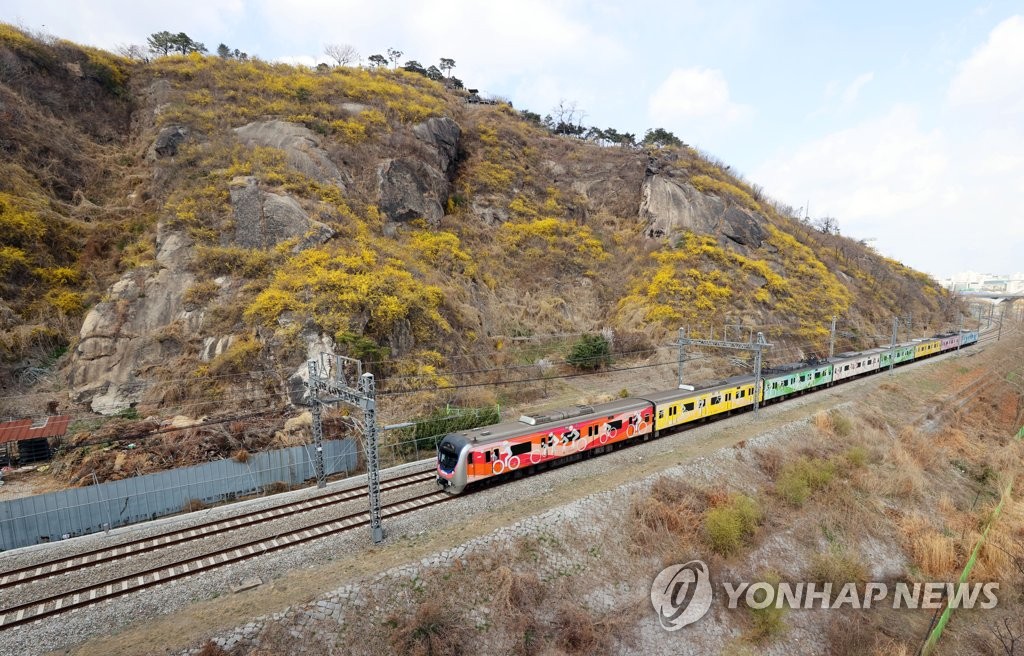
(78,511)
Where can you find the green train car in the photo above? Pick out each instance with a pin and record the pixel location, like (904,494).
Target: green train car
(796,380)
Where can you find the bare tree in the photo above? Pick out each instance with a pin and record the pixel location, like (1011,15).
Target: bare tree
(342,53)
(566,118)
(1010,636)
(394,54)
(132,51)
(827,225)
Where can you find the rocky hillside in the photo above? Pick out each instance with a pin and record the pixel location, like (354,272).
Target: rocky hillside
(179,235)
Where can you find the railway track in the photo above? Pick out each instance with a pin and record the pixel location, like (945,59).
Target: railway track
(103,555)
(94,593)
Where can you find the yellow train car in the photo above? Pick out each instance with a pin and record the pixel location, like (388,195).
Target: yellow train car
(679,406)
(925,347)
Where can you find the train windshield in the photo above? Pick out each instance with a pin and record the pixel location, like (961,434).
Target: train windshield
(447,456)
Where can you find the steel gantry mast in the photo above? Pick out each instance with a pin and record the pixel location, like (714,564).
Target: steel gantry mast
(755,346)
(362,396)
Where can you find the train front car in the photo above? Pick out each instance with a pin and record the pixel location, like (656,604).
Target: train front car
(452,453)
(499,450)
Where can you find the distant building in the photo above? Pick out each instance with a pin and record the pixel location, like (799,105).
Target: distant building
(985,282)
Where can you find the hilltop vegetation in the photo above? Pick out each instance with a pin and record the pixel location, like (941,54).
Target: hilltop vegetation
(371,208)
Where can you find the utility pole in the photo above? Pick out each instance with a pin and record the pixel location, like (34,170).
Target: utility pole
(1002,317)
(362,396)
(318,432)
(757,370)
(832,339)
(682,357)
(755,346)
(960,331)
(892,349)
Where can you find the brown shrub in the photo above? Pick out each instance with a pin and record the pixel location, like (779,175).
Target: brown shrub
(672,490)
(211,648)
(276,487)
(516,591)
(435,629)
(192,505)
(579,633)
(667,529)
(857,636)
(632,344)
(241,456)
(770,461)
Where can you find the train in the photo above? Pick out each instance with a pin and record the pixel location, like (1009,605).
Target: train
(471,458)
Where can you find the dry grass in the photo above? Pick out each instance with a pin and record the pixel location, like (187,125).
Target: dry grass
(902,478)
(276,487)
(823,422)
(241,456)
(856,635)
(934,553)
(192,505)
(837,567)
(578,632)
(211,648)
(769,461)
(434,629)
(666,522)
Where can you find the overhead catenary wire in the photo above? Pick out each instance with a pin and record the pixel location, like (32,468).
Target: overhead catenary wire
(786,353)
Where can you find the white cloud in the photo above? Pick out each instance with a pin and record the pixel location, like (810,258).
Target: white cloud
(694,93)
(490,41)
(853,89)
(879,167)
(301,60)
(992,76)
(106,23)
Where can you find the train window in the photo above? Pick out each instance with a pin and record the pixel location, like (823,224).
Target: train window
(615,425)
(487,456)
(688,406)
(661,414)
(701,403)
(521,448)
(715,400)
(728,397)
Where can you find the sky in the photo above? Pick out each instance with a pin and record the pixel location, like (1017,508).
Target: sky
(904,121)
